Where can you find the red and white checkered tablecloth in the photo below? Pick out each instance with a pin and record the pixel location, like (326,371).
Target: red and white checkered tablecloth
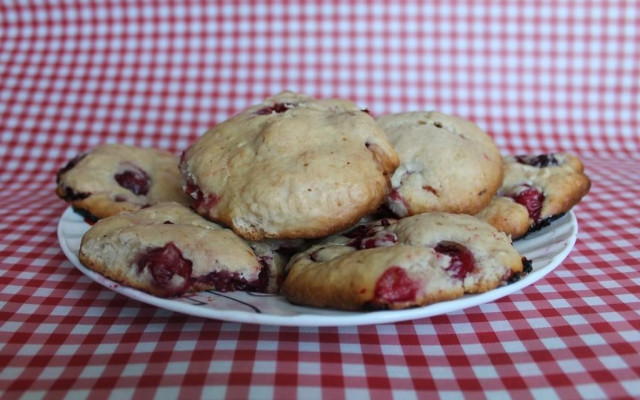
(537,75)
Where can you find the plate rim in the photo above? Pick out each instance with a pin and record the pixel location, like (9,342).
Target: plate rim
(339,318)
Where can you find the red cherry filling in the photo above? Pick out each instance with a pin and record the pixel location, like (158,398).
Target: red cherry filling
(396,197)
(224,281)
(395,286)
(532,199)
(366,229)
(276,108)
(202,204)
(164,263)
(358,232)
(540,161)
(134,179)
(379,239)
(462,261)
(370,236)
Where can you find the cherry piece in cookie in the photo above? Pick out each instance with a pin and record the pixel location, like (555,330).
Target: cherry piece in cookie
(369,236)
(366,230)
(532,199)
(395,286)
(276,108)
(539,161)
(358,232)
(135,179)
(164,263)
(397,204)
(462,262)
(202,203)
(377,240)
(224,281)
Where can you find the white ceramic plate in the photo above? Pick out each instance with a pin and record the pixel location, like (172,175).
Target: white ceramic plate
(546,249)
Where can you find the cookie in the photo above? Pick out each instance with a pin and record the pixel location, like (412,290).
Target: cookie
(168,250)
(400,263)
(536,189)
(114,178)
(290,167)
(447,164)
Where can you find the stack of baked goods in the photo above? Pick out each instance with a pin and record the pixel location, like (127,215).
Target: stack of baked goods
(319,201)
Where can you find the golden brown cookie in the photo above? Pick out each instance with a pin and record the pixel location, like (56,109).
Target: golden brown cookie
(447,164)
(290,167)
(409,262)
(168,250)
(113,178)
(536,189)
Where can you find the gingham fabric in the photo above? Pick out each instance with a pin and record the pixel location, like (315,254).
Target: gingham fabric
(537,75)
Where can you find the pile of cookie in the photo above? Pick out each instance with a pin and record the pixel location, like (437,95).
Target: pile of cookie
(319,201)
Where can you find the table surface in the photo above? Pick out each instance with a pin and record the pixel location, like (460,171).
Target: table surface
(538,77)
